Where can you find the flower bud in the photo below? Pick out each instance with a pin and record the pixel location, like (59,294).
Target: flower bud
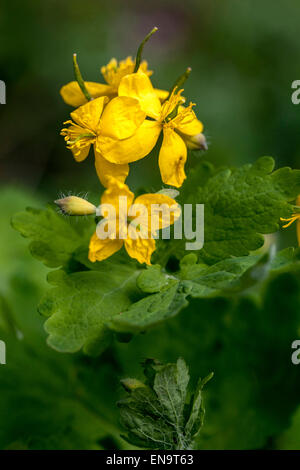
(172,193)
(196,142)
(132,384)
(73,205)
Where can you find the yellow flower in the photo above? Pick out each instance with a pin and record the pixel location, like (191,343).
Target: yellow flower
(113,72)
(138,238)
(177,122)
(295,217)
(93,121)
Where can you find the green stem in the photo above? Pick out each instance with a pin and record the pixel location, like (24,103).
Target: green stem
(79,78)
(140,49)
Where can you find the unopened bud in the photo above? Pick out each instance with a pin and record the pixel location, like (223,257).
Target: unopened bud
(74,205)
(196,142)
(172,193)
(132,384)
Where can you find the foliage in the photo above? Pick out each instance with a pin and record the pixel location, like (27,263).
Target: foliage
(156,413)
(221,306)
(243,334)
(89,300)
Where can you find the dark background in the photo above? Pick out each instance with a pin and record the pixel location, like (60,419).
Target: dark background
(244,56)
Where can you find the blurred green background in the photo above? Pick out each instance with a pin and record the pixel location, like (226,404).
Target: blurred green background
(244,56)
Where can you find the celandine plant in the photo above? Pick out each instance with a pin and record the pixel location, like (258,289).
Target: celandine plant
(123,129)
(103,292)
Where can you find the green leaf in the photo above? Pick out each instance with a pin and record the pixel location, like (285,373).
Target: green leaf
(170,385)
(196,419)
(48,400)
(248,346)
(81,304)
(197,280)
(153,415)
(194,280)
(153,280)
(54,401)
(150,311)
(54,237)
(239,205)
(289,439)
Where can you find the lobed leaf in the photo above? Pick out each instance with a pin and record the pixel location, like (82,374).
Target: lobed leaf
(153,415)
(81,304)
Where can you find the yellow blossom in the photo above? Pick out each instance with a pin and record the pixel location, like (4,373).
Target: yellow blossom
(95,120)
(178,123)
(295,217)
(138,238)
(113,72)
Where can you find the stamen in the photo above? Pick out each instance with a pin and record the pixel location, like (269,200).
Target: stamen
(290,220)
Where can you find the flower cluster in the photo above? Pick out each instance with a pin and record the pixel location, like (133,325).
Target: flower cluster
(122,120)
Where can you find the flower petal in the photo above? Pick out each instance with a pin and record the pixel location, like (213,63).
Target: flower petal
(162,95)
(169,213)
(190,125)
(102,249)
(114,191)
(131,149)
(88,115)
(121,117)
(172,157)
(107,171)
(72,94)
(80,154)
(140,249)
(138,85)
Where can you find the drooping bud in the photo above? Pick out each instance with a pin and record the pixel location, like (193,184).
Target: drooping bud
(196,142)
(74,205)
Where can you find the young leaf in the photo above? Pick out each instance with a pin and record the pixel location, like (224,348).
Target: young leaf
(196,419)
(154,416)
(170,385)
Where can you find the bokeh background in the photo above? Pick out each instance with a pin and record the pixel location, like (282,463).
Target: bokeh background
(244,57)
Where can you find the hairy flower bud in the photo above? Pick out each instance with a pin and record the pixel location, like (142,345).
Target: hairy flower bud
(74,205)
(196,142)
